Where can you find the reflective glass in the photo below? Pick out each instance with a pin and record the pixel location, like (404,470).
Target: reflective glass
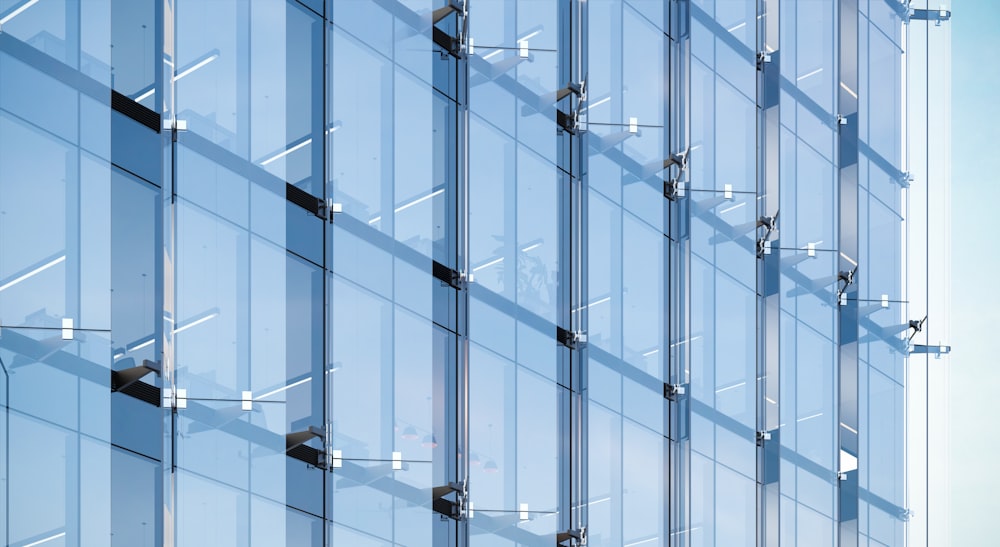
(415,272)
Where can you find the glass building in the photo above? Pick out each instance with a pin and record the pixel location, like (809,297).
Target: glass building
(465,272)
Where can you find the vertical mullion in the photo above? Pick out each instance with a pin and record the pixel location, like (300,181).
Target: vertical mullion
(768,278)
(847,335)
(458,402)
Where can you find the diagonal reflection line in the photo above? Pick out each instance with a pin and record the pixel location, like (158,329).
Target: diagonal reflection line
(35,271)
(13,14)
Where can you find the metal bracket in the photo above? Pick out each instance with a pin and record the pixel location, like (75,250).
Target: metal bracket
(762,58)
(936,15)
(571,339)
(571,122)
(578,340)
(298,438)
(457,509)
(456,46)
(121,379)
(673,391)
(770,224)
(763,436)
(176,399)
(673,188)
(577,537)
(917,326)
(848,279)
(175,126)
(454,279)
(461,280)
(329,208)
(938,350)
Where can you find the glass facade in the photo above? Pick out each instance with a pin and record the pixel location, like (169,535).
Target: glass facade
(458,273)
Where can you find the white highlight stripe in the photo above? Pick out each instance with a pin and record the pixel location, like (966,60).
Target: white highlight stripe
(488,264)
(529,36)
(734,207)
(419,200)
(492,54)
(808,74)
(4,21)
(601,301)
(142,345)
(817,415)
(597,103)
(283,388)
(196,322)
(37,270)
(198,65)
(46,540)
(145,95)
(849,428)
(180,75)
(280,155)
(734,386)
(849,90)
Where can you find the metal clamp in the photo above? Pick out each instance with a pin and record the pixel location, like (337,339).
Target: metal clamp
(328,208)
(936,15)
(462,280)
(175,126)
(673,391)
(577,537)
(763,436)
(570,122)
(571,339)
(577,339)
(176,399)
(770,225)
(673,188)
(762,58)
(937,350)
(848,279)
(457,509)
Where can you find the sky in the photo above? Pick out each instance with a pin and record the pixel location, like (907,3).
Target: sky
(975,376)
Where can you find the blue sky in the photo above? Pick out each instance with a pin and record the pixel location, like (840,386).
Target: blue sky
(975,376)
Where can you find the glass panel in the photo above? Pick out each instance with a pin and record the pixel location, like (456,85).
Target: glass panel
(422,174)
(51,27)
(388,408)
(135,495)
(38,227)
(134,53)
(513,436)
(134,271)
(55,274)
(253,95)
(58,459)
(361,128)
